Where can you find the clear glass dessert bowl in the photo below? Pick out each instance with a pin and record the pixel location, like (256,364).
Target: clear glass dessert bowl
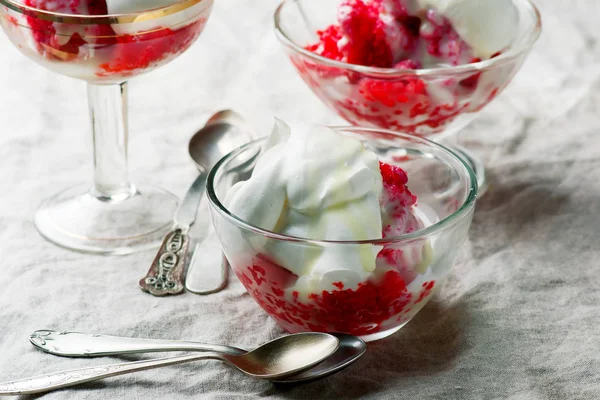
(82,40)
(409,268)
(430,102)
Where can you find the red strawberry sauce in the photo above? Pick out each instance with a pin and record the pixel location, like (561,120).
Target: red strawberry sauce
(378,304)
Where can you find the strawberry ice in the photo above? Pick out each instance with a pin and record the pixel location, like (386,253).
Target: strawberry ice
(407,35)
(410,33)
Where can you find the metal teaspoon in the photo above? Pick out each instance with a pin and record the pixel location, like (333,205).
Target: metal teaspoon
(165,276)
(77,344)
(224,132)
(279,358)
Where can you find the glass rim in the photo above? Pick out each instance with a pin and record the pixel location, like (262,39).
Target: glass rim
(112,19)
(505,57)
(441,225)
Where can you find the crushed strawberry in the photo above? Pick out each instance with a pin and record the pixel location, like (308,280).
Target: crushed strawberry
(328,43)
(367,43)
(392,92)
(361,311)
(140,51)
(382,33)
(395,190)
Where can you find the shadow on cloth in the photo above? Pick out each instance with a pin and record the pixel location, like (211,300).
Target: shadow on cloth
(426,345)
(521,199)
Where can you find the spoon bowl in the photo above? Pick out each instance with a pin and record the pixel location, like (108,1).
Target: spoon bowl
(285,356)
(222,133)
(350,349)
(225,131)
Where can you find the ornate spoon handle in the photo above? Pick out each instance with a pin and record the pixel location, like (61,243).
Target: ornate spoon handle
(165,276)
(58,380)
(77,344)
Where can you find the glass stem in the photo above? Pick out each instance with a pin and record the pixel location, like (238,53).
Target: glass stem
(108,112)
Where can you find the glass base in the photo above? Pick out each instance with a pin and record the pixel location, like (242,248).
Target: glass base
(475,163)
(380,335)
(77,220)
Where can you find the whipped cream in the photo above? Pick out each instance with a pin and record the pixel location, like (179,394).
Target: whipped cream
(314,183)
(488,26)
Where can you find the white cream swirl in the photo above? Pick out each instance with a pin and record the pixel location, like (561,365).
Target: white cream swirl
(488,26)
(314,183)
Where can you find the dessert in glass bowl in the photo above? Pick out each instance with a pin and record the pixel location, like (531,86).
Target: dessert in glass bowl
(105,42)
(424,67)
(341,229)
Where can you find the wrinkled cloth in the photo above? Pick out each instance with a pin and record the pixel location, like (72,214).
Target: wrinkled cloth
(517,319)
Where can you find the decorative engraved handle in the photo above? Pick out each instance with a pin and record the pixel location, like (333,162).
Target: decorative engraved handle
(165,275)
(77,344)
(58,380)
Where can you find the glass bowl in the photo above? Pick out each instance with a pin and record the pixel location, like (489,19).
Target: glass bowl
(432,103)
(111,216)
(410,268)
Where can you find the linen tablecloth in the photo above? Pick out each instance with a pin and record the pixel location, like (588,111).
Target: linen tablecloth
(519,318)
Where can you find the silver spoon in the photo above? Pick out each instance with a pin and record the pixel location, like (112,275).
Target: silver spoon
(224,132)
(165,277)
(279,358)
(76,344)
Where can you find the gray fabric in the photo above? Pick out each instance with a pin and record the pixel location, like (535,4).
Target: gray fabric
(518,318)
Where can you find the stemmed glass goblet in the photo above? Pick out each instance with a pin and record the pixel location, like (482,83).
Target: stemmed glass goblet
(104,46)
